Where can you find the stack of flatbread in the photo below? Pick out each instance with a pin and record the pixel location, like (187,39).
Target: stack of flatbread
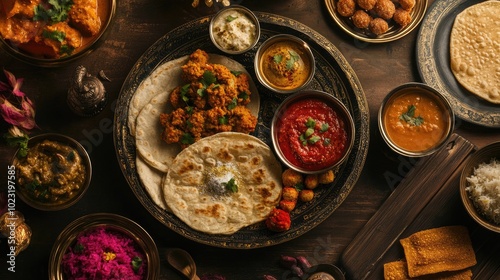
(163,168)
(438,253)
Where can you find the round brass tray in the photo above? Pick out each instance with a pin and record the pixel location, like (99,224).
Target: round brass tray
(333,75)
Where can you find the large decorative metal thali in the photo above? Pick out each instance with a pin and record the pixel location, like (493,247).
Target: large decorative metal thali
(333,75)
(433,58)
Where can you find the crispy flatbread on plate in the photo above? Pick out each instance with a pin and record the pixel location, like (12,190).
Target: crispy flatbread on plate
(198,185)
(398,270)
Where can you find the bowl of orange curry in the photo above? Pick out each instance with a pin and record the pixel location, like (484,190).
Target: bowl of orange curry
(51,33)
(415,120)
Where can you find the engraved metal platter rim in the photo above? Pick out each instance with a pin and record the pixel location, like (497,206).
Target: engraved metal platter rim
(433,63)
(331,61)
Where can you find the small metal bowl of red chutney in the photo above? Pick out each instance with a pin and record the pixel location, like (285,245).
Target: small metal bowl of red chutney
(312,131)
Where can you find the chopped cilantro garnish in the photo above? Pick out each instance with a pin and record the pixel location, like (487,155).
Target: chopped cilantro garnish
(223,120)
(324,127)
(236,73)
(313,139)
(294,57)
(231,186)
(208,79)
(185,92)
(278,58)
(56,11)
(244,95)
(233,104)
(310,123)
(230,18)
(20,141)
(309,132)
(78,248)
(136,263)
(55,35)
(187,139)
(409,117)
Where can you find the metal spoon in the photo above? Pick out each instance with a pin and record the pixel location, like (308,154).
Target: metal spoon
(182,262)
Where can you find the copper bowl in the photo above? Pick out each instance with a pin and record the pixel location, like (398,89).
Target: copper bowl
(85,158)
(425,90)
(110,221)
(483,155)
(88,44)
(333,103)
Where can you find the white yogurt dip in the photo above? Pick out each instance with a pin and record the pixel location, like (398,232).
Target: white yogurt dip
(234,30)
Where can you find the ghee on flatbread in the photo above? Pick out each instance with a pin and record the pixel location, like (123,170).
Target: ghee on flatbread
(439,249)
(475,50)
(195,187)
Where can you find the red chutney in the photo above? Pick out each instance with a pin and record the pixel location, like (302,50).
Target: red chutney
(311,135)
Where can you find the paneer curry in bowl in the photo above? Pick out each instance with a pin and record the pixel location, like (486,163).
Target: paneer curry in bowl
(51,32)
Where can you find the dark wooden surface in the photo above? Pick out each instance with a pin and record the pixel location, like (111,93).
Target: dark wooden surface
(138,24)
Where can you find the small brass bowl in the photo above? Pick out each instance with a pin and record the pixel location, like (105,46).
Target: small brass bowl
(234,29)
(483,155)
(113,222)
(330,102)
(26,51)
(425,92)
(23,191)
(273,64)
(318,272)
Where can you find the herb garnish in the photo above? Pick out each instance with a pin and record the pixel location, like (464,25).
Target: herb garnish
(206,81)
(20,141)
(78,248)
(56,11)
(231,186)
(187,138)
(294,57)
(409,117)
(233,104)
(310,136)
(230,18)
(136,263)
(55,35)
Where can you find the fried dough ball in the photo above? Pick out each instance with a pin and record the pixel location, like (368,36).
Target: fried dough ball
(402,17)
(361,19)
(326,177)
(407,4)
(366,4)
(311,181)
(384,9)
(306,195)
(378,26)
(346,8)
(291,178)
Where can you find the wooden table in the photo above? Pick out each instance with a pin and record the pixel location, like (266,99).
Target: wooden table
(138,24)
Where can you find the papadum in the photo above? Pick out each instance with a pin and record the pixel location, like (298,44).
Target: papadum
(475,50)
(223,183)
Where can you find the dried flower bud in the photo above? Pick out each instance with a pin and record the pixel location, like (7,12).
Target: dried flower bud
(297,270)
(269,277)
(303,262)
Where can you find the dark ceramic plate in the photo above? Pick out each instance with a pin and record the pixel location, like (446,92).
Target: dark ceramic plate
(433,59)
(395,31)
(333,75)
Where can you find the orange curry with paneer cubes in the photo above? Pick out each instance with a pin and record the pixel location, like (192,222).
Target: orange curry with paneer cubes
(51,28)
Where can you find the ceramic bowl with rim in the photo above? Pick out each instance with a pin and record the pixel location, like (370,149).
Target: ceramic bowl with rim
(113,223)
(284,64)
(25,192)
(317,131)
(32,53)
(399,96)
(234,29)
(484,155)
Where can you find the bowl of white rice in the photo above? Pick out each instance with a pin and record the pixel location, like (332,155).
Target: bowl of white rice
(480,186)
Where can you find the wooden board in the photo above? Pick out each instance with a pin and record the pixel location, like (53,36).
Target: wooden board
(428,197)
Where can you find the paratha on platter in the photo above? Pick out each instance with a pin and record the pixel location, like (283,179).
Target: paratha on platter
(200,185)
(475,50)
(151,180)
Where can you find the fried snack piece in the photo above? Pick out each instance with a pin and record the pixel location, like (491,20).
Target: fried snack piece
(398,270)
(439,249)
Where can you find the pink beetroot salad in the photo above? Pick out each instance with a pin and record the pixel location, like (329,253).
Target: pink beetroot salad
(103,253)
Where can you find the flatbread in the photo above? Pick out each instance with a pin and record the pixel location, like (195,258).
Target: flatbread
(151,180)
(398,270)
(194,186)
(144,121)
(437,250)
(475,50)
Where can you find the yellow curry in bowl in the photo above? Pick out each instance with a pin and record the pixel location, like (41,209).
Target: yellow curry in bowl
(415,120)
(284,64)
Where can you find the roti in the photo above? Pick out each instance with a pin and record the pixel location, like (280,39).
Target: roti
(199,187)
(475,49)
(151,99)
